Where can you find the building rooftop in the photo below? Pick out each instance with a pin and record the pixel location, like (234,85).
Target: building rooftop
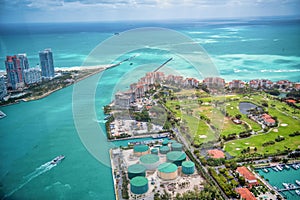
(245,194)
(215,153)
(246,173)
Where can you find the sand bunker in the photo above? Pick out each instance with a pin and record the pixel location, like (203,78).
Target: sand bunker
(283,124)
(202,136)
(275,130)
(237,149)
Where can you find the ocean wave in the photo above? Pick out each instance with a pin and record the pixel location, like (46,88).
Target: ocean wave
(71,55)
(265,58)
(240,70)
(225,36)
(279,70)
(251,39)
(197,32)
(205,41)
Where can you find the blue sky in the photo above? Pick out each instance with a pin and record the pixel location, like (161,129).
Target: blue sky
(116,10)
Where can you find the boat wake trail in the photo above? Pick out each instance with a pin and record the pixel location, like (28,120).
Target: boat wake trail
(37,172)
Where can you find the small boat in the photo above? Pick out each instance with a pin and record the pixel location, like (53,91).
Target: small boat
(57,159)
(275,188)
(279,168)
(286,185)
(265,170)
(295,166)
(287,167)
(298,182)
(275,169)
(297,192)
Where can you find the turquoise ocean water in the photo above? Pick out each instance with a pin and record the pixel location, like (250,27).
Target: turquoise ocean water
(35,132)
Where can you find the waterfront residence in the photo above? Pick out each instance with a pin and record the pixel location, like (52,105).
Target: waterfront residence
(284,84)
(248,175)
(214,82)
(263,83)
(236,84)
(245,194)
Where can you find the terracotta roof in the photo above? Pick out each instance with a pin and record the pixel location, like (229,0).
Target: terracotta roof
(245,173)
(245,193)
(215,153)
(291,101)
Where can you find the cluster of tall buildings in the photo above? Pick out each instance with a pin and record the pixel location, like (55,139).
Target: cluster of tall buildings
(19,74)
(139,89)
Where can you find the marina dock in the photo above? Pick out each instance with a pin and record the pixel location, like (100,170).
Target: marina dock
(288,189)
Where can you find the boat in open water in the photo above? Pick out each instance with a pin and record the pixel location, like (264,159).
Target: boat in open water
(57,159)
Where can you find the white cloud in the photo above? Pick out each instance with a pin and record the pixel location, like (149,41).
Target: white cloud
(85,10)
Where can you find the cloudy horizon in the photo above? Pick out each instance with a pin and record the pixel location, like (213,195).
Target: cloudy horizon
(13,11)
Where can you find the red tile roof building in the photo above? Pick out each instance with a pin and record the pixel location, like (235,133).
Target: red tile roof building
(268,120)
(213,82)
(290,101)
(245,194)
(249,176)
(236,84)
(215,153)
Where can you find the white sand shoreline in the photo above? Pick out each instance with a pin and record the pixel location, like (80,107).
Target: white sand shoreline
(80,68)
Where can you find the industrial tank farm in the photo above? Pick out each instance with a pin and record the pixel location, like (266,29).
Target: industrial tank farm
(139,185)
(164,149)
(150,161)
(163,165)
(188,167)
(176,146)
(176,157)
(140,150)
(167,171)
(136,170)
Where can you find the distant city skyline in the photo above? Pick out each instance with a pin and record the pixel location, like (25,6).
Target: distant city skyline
(13,11)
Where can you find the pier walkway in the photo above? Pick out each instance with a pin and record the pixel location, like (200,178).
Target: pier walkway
(288,189)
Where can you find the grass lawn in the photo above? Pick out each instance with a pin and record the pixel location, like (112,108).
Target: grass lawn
(198,129)
(230,127)
(232,108)
(190,110)
(234,147)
